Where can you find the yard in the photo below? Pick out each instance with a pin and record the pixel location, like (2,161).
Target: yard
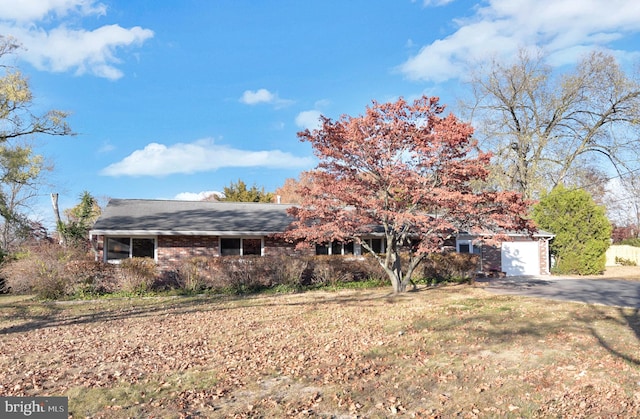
(439,352)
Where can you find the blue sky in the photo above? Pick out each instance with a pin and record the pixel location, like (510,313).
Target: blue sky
(171,99)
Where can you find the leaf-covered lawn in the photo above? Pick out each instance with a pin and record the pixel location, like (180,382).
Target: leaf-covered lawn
(438,352)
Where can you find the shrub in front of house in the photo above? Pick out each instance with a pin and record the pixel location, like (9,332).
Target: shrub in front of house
(29,275)
(337,271)
(330,271)
(229,274)
(193,274)
(290,272)
(255,273)
(448,267)
(51,271)
(87,277)
(248,274)
(137,275)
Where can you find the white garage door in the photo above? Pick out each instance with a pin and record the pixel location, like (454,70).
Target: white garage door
(520,258)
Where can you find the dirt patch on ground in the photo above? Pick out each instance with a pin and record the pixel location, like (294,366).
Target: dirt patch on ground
(439,352)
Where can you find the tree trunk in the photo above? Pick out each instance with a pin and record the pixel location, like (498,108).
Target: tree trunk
(398,281)
(56,213)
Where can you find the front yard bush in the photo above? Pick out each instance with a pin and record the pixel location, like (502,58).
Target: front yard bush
(229,274)
(337,270)
(51,271)
(137,275)
(87,277)
(290,272)
(255,273)
(449,267)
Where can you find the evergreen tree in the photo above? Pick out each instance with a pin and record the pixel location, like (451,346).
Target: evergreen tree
(80,220)
(582,230)
(238,192)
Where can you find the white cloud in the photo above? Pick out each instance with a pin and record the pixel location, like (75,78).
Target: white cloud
(199,156)
(35,10)
(309,119)
(436,2)
(322,103)
(259,96)
(500,28)
(196,196)
(106,147)
(250,97)
(64,48)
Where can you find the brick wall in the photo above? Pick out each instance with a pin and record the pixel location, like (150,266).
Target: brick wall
(173,250)
(275,247)
(543,246)
(491,258)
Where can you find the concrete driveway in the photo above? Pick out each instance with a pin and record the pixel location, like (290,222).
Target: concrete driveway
(609,292)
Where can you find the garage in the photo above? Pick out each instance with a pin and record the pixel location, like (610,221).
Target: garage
(520,258)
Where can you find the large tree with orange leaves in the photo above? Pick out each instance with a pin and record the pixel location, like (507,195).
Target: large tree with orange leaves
(289,193)
(404,168)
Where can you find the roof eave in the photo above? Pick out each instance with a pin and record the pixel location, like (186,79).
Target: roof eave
(178,233)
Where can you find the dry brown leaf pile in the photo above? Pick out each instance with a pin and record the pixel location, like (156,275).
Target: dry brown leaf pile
(453,351)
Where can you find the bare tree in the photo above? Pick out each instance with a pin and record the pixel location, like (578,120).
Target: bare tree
(545,129)
(623,200)
(21,174)
(20,168)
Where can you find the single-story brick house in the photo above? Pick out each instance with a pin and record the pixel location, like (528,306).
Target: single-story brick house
(172,231)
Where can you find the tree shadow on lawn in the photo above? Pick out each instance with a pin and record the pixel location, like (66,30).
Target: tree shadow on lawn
(596,294)
(60,313)
(500,322)
(628,318)
(56,314)
(491,328)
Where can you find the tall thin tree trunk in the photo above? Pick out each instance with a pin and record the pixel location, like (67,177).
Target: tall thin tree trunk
(56,213)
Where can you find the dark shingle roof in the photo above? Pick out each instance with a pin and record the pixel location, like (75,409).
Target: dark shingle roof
(141,216)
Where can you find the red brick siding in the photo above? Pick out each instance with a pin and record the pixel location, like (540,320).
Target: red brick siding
(97,242)
(273,247)
(491,258)
(173,250)
(543,246)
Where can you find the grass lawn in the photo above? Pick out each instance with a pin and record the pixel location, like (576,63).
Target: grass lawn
(439,352)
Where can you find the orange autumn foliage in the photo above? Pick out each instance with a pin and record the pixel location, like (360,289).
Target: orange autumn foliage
(406,170)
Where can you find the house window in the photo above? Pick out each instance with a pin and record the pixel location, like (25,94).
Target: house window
(335,248)
(466,246)
(322,249)
(118,248)
(230,247)
(252,247)
(143,248)
(377,245)
(348,248)
(240,247)
(129,247)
